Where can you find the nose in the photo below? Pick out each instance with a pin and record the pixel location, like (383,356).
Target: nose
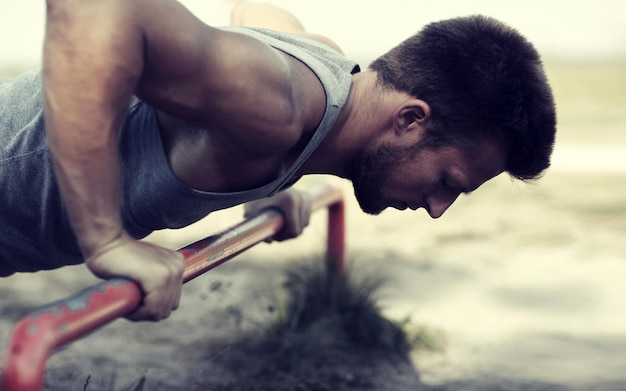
(438,202)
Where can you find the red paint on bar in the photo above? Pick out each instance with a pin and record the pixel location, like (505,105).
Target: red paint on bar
(35,336)
(336,252)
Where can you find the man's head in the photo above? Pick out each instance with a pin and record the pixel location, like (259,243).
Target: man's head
(480,78)
(478,104)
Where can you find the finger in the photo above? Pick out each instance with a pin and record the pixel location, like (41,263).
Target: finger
(173,289)
(162,299)
(155,307)
(302,214)
(306,207)
(143,314)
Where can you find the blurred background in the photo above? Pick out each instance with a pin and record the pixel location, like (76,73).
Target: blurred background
(573,38)
(561,29)
(522,282)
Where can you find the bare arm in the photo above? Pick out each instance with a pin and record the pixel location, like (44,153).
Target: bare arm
(98,53)
(93,60)
(85,91)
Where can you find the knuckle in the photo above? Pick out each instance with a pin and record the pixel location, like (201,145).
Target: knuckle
(165,315)
(154,313)
(161,272)
(289,200)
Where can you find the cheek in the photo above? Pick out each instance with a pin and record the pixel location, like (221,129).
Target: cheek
(412,182)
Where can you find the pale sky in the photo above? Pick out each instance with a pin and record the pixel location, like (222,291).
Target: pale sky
(559,28)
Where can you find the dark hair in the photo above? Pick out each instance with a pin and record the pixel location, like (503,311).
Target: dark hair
(480,78)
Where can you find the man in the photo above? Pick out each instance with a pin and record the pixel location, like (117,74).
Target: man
(154,119)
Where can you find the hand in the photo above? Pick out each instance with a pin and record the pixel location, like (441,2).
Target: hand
(296,207)
(158,272)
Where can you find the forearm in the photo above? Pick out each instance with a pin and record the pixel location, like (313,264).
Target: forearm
(89,71)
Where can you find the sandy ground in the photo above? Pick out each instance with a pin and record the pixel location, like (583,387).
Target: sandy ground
(518,286)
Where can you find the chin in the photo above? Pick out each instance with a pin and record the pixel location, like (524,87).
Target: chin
(369,198)
(370,208)
(372,212)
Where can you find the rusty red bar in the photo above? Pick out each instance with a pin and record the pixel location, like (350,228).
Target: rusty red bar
(36,336)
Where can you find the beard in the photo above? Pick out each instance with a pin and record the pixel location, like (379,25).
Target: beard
(370,170)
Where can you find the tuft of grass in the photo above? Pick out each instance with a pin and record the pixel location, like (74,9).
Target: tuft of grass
(317,296)
(138,384)
(329,335)
(422,337)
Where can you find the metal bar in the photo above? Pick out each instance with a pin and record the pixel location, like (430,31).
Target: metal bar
(37,335)
(335,244)
(335,247)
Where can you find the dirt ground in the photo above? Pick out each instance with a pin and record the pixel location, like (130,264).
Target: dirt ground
(517,287)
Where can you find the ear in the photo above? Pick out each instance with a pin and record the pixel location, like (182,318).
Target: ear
(411,119)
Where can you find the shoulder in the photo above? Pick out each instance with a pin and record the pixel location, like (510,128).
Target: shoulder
(251,95)
(333,70)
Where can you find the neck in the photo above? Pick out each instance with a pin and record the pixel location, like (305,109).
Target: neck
(353,131)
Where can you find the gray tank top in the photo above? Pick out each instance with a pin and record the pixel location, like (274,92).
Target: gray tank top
(34,230)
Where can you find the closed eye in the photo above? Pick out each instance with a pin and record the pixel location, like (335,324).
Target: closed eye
(444,181)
